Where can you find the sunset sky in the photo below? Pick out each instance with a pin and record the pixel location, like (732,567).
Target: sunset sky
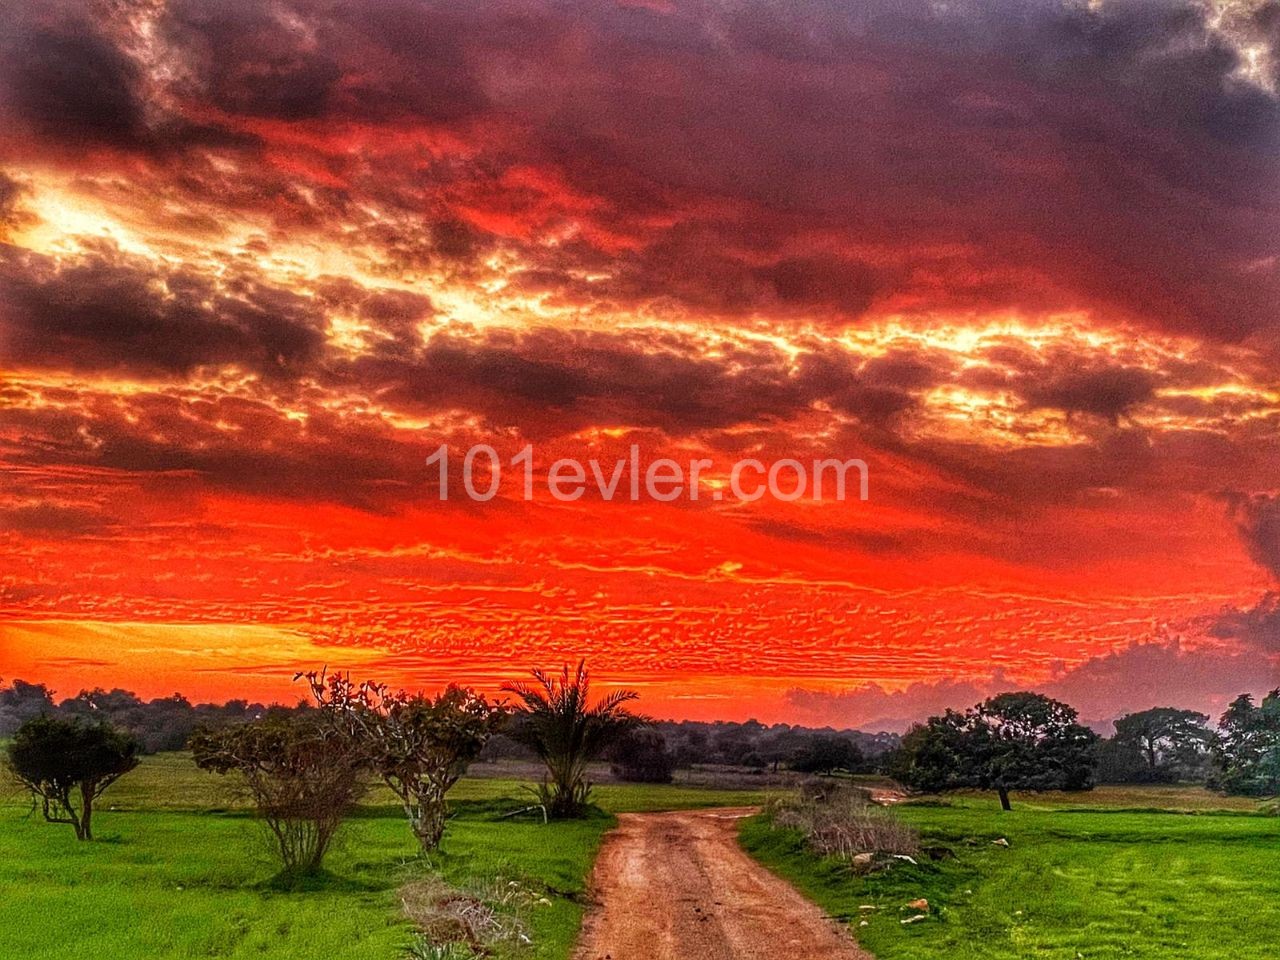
(260,259)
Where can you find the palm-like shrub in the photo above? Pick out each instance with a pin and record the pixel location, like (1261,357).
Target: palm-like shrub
(559,723)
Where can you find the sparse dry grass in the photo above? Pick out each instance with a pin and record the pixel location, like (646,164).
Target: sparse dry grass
(483,919)
(839,820)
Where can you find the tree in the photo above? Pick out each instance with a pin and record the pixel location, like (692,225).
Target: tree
(1171,742)
(160,724)
(302,775)
(20,702)
(59,759)
(566,732)
(826,754)
(1247,752)
(1013,741)
(641,756)
(418,745)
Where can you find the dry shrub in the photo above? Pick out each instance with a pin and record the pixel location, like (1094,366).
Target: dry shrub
(839,821)
(477,921)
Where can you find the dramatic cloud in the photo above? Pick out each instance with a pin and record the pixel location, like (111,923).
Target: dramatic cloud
(1258,626)
(1103,688)
(1257,519)
(106,313)
(258,262)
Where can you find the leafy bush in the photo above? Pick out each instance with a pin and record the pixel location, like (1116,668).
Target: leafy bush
(303,779)
(419,745)
(641,756)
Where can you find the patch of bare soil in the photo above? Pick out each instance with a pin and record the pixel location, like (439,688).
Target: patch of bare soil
(676,886)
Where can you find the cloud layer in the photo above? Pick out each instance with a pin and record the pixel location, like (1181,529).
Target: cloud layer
(1023,257)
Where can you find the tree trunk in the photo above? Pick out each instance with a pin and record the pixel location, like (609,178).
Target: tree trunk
(86,811)
(428,825)
(429,812)
(1004,798)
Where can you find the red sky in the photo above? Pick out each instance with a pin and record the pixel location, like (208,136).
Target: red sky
(1022,257)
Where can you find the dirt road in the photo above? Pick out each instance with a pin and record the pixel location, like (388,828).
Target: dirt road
(676,886)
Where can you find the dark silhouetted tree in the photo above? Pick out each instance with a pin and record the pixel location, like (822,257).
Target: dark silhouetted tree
(828,754)
(1014,741)
(66,764)
(1173,744)
(22,701)
(1247,752)
(641,756)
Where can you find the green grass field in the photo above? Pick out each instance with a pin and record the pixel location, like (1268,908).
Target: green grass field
(180,871)
(1154,873)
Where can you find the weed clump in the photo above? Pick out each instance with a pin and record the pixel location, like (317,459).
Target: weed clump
(457,923)
(840,821)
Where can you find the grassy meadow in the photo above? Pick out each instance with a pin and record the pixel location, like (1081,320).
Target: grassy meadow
(1151,873)
(181,871)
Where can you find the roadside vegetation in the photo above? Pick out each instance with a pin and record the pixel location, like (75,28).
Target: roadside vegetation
(1147,873)
(1068,870)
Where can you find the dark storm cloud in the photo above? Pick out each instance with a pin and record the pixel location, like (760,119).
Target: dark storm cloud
(554,382)
(1257,519)
(1106,392)
(51,519)
(815,160)
(365,61)
(211,442)
(874,390)
(71,83)
(71,77)
(1258,626)
(1016,150)
(108,312)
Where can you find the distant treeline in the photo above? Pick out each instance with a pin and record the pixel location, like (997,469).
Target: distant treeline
(750,744)
(166,723)
(1161,745)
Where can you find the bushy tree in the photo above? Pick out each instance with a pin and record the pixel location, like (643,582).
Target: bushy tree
(417,744)
(566,731)
(66,764)
(828,754)
(303,777)
(21,701)
(1013,741)
(164,723)
(641,756)
(1172,744)
(1247,752)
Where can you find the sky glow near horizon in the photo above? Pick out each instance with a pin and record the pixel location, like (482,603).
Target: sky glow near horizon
(1022,257)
